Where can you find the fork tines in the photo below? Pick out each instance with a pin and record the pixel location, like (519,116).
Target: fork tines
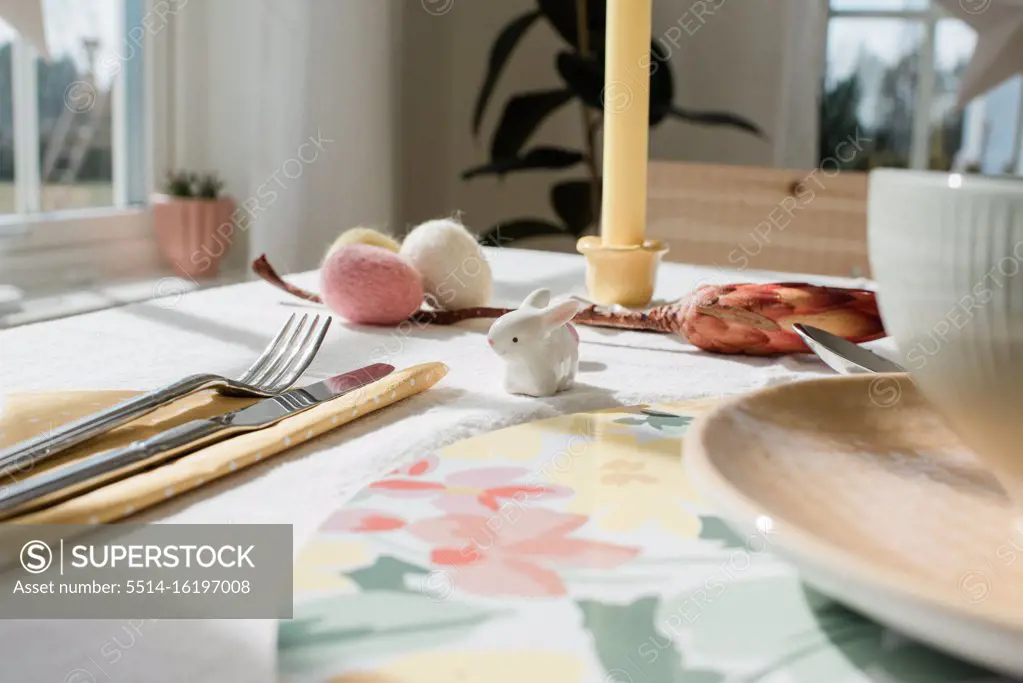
(289,354)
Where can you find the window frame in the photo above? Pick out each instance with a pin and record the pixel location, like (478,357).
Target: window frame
(101,244)
(929,18)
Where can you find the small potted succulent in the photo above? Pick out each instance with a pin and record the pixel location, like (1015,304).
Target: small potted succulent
(192,220)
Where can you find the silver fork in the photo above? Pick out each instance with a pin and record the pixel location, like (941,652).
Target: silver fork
(276,369)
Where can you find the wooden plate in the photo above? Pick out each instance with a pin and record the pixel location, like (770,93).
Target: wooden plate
(876,501)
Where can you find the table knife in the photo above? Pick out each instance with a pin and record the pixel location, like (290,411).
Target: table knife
(842,355)
(64,482)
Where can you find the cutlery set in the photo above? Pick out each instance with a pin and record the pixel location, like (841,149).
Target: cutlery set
(270,377)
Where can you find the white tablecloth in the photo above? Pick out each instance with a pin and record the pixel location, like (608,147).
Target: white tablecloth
(222,330)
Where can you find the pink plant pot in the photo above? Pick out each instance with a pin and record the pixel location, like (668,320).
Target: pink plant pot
(193,234)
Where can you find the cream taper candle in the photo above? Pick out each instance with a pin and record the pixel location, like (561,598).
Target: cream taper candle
(626,122)
(621,265)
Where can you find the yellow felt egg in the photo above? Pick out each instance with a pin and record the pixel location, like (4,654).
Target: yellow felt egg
(367,236)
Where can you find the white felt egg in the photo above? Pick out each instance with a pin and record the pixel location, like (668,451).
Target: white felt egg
(455,272)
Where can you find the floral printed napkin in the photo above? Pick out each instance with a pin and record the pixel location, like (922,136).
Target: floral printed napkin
(572,549)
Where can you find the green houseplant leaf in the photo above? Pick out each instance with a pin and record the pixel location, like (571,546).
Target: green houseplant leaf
(499,55)
(572,201)
(585,77)
(564,18)
(522,228)
(662,84)
(536,159)
(581,68)
(209,186)
(522,116)
(180,184)
(717,118)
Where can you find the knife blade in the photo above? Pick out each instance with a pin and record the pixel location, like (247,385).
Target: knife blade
(842,355)
(83,475)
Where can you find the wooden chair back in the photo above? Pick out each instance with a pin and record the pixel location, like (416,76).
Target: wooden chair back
(743,217)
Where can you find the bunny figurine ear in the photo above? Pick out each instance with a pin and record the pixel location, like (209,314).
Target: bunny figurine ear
(560,314)
(541,298)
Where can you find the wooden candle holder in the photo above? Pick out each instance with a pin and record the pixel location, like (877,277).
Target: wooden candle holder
(623,276)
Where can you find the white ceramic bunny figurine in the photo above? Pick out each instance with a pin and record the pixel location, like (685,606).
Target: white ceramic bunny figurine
(539,345)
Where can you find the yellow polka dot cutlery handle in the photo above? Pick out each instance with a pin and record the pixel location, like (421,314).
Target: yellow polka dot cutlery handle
(62,483)
(127,496)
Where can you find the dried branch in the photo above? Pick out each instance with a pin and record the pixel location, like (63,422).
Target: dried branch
(261,267)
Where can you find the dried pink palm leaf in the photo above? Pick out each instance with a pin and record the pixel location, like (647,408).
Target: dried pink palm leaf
(748,318)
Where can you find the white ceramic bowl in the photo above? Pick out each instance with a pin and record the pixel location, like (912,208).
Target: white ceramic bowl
(947,253)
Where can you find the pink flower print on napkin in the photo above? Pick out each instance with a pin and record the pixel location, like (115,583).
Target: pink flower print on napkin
(477,491)
(396,483)
(363,521)
(514,556)
(419,467)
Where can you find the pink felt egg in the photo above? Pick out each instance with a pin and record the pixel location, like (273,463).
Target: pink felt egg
(370,286)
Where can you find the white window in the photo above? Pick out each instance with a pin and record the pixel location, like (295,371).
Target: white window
(893,70)
(76,141)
